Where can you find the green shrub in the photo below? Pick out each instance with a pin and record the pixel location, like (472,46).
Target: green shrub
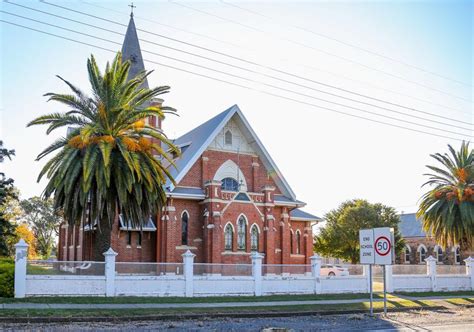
(7,277)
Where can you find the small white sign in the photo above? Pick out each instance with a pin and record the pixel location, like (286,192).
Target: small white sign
(366,240)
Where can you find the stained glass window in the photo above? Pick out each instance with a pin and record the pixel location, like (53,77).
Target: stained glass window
(254,238)
(241,233)
(228,237)
(230,184)
(184,228)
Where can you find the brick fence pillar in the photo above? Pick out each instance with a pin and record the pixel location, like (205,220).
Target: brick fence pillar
(431,271)
(21,257)
(316,272)
(188,262)
(257,272)
(470,269)
(110,272)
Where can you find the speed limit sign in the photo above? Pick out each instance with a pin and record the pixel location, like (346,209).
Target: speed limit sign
(383,245)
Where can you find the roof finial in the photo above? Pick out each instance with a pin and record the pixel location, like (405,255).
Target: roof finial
(131,7)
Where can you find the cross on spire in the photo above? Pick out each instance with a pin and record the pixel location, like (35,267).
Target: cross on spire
(131,8)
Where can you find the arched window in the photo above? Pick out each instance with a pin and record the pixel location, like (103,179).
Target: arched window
(439,254)
(184,228)
(422,253)
(407,253)
(241,233)
(230,184)
(228,237)
(228,137)
(457,255)
(292,246)
(254,238)
(298,245)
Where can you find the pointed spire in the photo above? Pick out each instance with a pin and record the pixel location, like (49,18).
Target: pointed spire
(131,51)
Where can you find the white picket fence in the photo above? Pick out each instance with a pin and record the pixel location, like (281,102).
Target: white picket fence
(111,278)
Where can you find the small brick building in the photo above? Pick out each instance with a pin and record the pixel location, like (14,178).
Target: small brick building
(419,245)
(230,200)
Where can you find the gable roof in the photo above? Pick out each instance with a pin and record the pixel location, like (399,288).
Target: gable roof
(197,141)
(410,226)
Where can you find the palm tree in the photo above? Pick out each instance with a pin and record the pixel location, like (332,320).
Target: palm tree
(447,209)
(111,161)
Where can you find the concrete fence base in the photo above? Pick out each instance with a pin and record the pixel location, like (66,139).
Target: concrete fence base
(187,283)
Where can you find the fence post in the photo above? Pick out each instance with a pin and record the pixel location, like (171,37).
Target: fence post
(431,271)
(21,256)
(316,272)
(110,272)
(188,262)
(470,269)
(389,278)
(257,272)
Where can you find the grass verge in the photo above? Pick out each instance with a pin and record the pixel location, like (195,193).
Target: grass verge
(125,314)
(428,294)
(213,299)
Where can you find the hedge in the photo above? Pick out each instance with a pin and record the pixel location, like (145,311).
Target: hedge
(7,277)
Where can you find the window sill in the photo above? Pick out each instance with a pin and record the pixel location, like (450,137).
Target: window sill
(139,247)
(128,246)
(185,247)
(235,253)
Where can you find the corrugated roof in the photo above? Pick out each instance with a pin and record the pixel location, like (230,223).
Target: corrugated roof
(298,213)
(410,226)
(284,199)
(188,191)
(147,226)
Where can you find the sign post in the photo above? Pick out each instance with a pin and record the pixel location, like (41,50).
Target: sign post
(367,256)
(376,247)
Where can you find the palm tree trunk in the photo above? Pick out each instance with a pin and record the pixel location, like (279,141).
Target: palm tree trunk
(102,239)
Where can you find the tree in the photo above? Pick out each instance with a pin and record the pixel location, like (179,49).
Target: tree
(7,192)
(43,220)
(339,238)
(111,160)
(447,209)
(22,231)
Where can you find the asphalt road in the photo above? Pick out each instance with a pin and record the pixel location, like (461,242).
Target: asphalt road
(458,320)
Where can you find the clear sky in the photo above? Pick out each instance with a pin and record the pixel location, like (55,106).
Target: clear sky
(391,50)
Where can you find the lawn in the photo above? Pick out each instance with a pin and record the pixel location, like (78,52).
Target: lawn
(427,294)
(213,299)
(199,312)
(218,299)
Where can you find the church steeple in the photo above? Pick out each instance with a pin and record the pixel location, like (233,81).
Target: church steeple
(131,51)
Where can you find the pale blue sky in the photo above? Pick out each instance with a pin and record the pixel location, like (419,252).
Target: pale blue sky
(326,157)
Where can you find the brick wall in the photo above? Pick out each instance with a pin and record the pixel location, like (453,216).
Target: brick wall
(448,256)
(256,176)
(206,234)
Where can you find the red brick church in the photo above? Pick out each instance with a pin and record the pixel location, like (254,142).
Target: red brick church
(229,200)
